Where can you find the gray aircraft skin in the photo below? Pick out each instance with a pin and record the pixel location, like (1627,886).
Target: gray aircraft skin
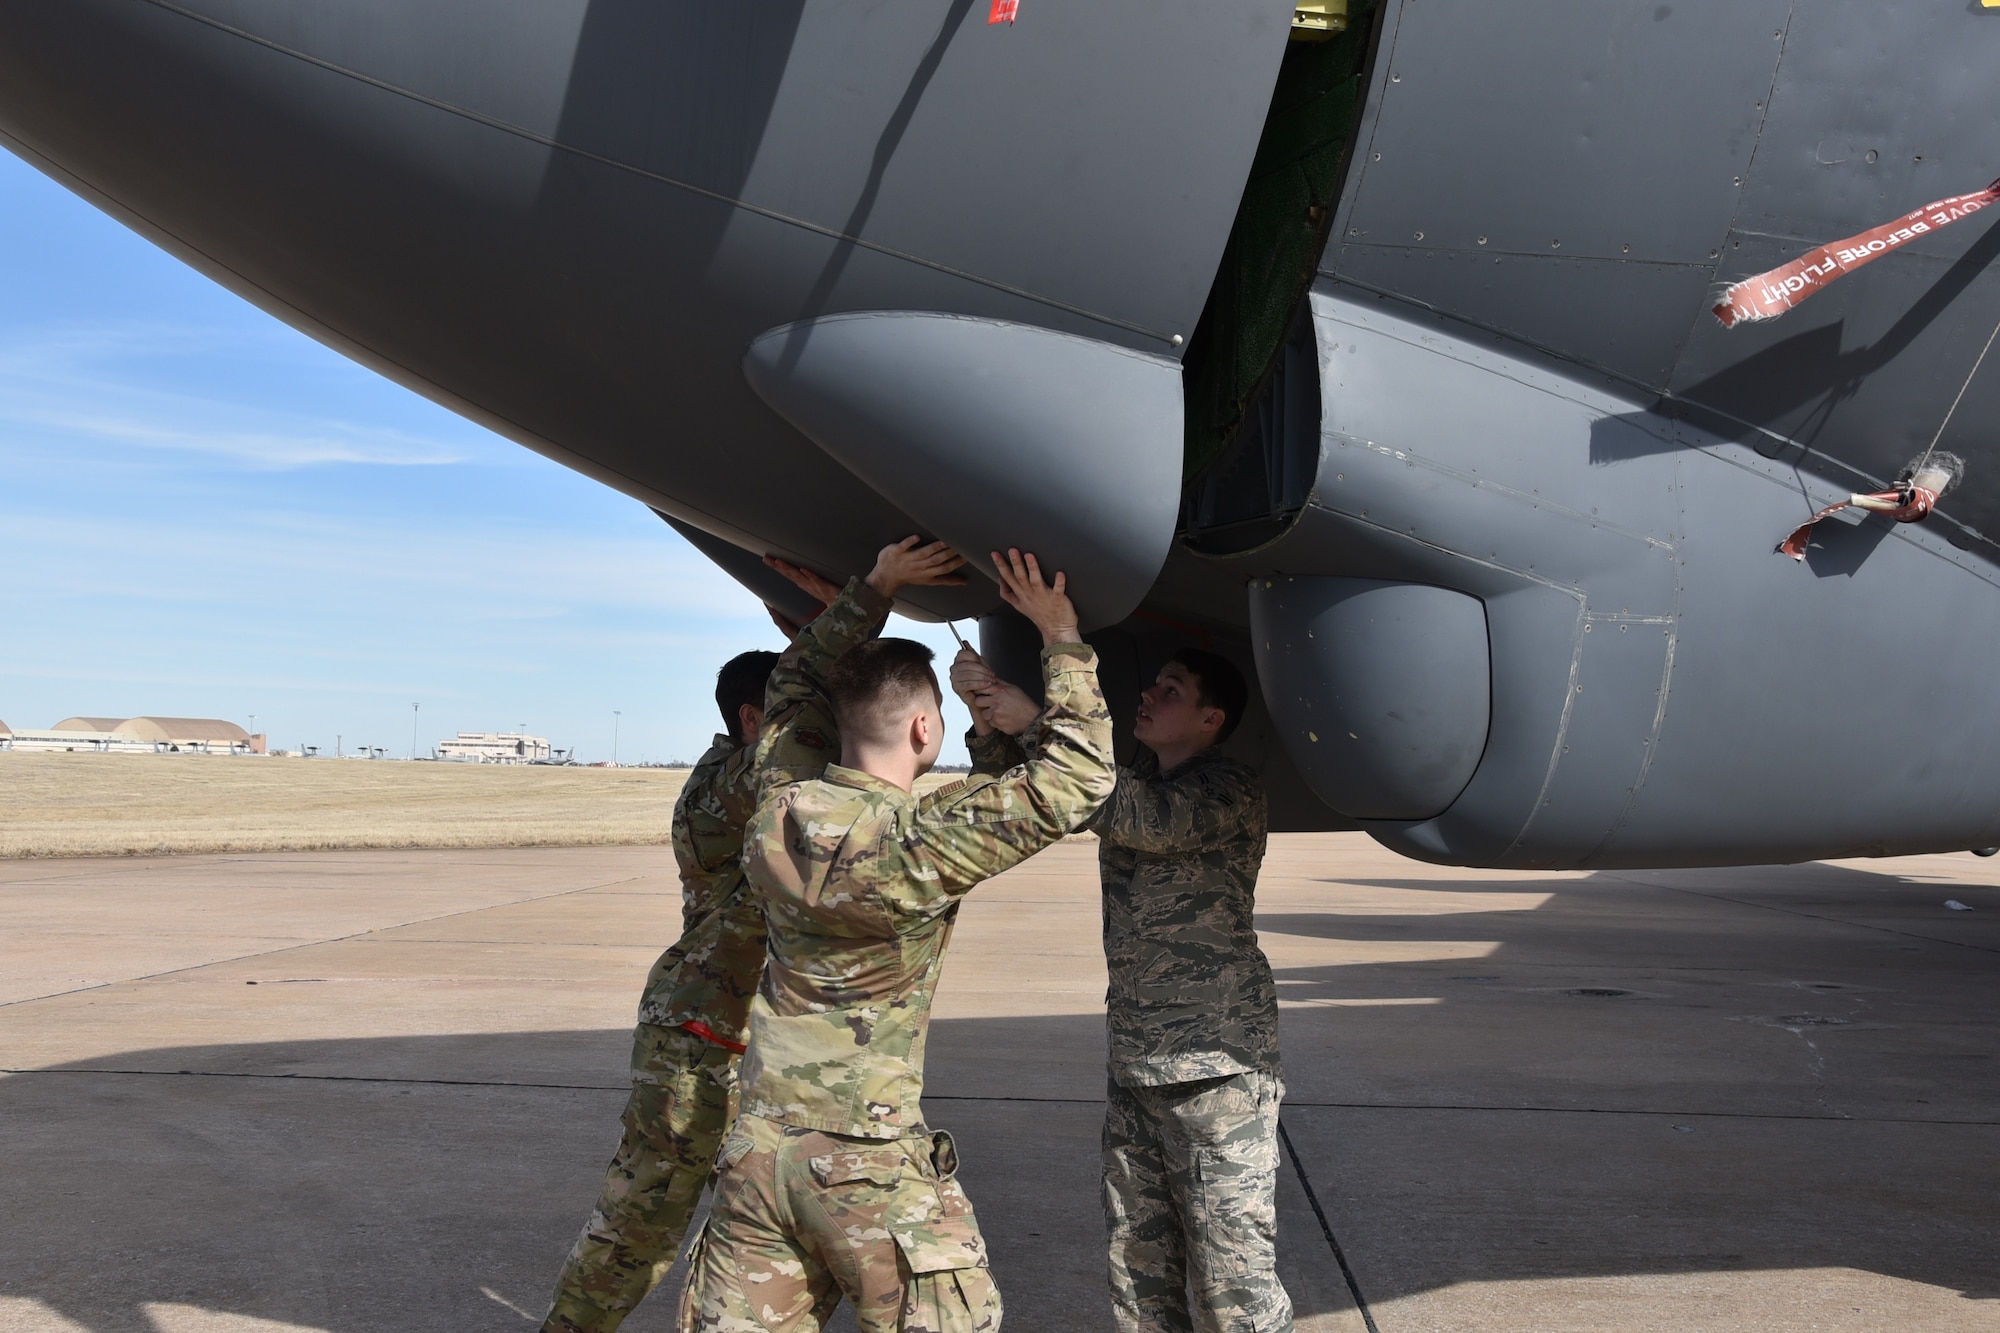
(1383,364)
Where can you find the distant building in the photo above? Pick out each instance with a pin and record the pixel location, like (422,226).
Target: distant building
(98,724)
(495,747)
(139,735)
(86,742)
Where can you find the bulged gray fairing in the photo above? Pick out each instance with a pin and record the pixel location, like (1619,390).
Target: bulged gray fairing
(1379,690)
(992,434)
(1129,658)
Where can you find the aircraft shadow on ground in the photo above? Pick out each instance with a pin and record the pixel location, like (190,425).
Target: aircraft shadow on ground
(436,1181)
(1710,1094)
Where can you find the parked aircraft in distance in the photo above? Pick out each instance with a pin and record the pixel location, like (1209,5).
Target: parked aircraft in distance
(1383,362)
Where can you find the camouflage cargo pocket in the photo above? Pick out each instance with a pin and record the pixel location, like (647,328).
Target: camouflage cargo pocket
(896,1189)
(1232,1200)
(948,1239)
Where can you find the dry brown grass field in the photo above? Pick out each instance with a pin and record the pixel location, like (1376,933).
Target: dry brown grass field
(147,805)
(132,805)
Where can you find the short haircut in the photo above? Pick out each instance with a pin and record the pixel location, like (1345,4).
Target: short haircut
(742,681)
(1218,684)
(873,684)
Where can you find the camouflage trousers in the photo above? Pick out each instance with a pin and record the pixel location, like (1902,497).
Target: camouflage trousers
(683,1089)
(1190,1199)
(803,1217)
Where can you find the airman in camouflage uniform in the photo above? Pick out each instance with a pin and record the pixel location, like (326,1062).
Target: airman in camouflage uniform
(692,1018)
(830,1183)
(1191,1120)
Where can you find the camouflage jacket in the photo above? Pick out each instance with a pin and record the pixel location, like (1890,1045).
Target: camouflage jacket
(709,819)
(1191,994)
(861,883)
(710,974)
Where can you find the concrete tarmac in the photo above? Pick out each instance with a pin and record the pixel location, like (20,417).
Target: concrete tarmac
(376,1090)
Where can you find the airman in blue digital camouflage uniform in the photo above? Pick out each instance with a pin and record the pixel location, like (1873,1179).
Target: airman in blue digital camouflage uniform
(1191,1120)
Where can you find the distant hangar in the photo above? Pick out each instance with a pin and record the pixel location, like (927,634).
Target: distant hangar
(138,735)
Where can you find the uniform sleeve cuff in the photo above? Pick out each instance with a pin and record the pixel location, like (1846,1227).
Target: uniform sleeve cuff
(865,597)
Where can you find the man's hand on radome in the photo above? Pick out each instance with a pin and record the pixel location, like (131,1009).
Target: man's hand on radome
(913,562)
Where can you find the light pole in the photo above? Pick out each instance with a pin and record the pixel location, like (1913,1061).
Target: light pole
(413,729)
(615,715)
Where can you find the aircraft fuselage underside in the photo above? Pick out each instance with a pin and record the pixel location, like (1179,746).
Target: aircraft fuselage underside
(1476,486)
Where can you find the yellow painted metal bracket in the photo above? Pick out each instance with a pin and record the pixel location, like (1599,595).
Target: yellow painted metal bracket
(1318,20)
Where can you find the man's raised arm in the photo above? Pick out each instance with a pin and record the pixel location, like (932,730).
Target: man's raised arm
(799,738)
(972,832)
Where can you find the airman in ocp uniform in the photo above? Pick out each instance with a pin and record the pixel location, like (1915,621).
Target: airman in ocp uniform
(692,1014)
(831,1184)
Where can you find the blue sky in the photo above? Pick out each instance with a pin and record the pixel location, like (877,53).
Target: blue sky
(206,513)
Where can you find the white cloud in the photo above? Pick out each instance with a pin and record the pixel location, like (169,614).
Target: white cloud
(307,444)
(243,560)
(86,384)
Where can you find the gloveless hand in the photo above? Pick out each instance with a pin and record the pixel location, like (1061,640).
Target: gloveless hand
(1023,588)
(1004,707)
(812,585)
(912,561)
(969,673)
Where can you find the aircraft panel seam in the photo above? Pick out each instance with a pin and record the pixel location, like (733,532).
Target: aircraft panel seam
(522,132)
(1557,385)
(1483,252)
(1906,252)
(1511,493)
(1562,734)
(1749,168)
(1666,683)
(1381,60)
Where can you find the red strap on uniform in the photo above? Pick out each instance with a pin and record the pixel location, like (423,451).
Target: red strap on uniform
(702,1030)
(1771,294)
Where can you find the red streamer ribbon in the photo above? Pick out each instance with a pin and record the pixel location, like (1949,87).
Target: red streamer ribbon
(1769,295)
(707,1034)
(1908,505)
(1003,11)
